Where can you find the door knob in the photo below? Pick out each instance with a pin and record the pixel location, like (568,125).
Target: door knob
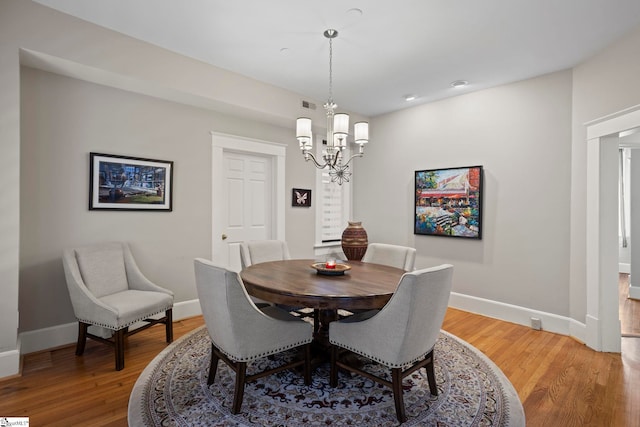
(224,236)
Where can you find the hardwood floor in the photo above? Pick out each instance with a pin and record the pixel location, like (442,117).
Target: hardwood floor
(629,309)
(559,380)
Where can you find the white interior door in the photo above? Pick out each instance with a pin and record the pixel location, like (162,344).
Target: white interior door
(248,211)
(247,195)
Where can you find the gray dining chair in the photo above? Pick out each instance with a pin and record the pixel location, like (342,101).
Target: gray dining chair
(241,332)
(259,251)
(392,255)
(400,336)
(108,291)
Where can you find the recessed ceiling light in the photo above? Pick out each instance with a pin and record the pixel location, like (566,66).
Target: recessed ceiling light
(409,97)
(284,50)
(459,83)
(355,11)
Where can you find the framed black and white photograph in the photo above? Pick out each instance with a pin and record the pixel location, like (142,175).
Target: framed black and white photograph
(301,198)
(129,183)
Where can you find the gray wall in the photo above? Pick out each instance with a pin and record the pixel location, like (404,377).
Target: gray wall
(63,119)
(521,134)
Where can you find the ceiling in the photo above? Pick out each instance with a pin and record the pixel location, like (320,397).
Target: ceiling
(384,51)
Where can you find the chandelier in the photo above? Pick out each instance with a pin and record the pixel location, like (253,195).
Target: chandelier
(337,132)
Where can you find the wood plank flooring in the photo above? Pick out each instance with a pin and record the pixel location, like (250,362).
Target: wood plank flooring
(559,380)
(629,309)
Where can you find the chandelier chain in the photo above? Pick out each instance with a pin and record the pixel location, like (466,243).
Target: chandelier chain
(330,71)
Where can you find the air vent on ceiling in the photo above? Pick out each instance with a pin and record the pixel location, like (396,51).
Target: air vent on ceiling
(309,105)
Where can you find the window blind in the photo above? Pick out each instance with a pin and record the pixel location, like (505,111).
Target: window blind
(332,209)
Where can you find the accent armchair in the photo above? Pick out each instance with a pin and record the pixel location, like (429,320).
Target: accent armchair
(391,255)
(241,332)
(108,290)
(401,335)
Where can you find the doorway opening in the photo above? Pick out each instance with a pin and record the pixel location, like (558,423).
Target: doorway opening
(603,328)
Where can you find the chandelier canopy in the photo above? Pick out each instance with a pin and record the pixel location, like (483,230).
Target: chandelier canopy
(337,132)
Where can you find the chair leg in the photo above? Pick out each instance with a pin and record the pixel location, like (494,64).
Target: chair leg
(333,375)
(316,321)
(431,376)
(238,395)
(169,325)
(307,364)
(118,338)
(213,366)
(82,338)
(396,376)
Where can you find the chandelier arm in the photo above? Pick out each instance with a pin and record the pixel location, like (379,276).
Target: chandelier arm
(337,156)
(353,157)
(308,155)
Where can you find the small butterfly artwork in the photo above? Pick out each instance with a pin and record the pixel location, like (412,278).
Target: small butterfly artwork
(301,197)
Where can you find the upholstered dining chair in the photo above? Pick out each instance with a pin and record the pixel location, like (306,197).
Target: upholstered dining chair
(108,291)
(392,255)
(241,332)
(400,336)
(258,251)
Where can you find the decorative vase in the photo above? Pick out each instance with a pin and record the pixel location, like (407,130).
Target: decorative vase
(354,241)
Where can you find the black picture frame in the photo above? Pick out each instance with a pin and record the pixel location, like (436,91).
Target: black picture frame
(448,202)
(130,183)
(300,198)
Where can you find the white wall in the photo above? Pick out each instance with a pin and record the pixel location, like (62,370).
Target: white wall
(521,134)
(624,252)
(634,184)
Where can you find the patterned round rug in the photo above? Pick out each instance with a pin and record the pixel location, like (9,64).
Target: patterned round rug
(173,391)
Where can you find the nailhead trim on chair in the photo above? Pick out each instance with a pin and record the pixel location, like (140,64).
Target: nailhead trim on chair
(116,328)
(377,359)
(264,354)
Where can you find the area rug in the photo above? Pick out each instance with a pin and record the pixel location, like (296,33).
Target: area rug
(173,391)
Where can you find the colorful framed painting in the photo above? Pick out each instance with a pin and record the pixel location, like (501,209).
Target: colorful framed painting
(129,183)
(448,202)
(301,197)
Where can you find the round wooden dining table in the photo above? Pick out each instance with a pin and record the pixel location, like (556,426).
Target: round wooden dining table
(296,283)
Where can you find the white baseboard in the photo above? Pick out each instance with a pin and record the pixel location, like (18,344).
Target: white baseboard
(186,309)
(59,335)
(624,267)
(634,292)
(10,363)
(519,315)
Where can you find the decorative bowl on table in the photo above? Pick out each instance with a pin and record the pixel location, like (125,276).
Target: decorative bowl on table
(336,270)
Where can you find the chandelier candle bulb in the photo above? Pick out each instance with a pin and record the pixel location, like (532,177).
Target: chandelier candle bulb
(303,133)
(341,124)
(361,133)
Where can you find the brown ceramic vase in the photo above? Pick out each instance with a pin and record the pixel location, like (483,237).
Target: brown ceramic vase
(354,241)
